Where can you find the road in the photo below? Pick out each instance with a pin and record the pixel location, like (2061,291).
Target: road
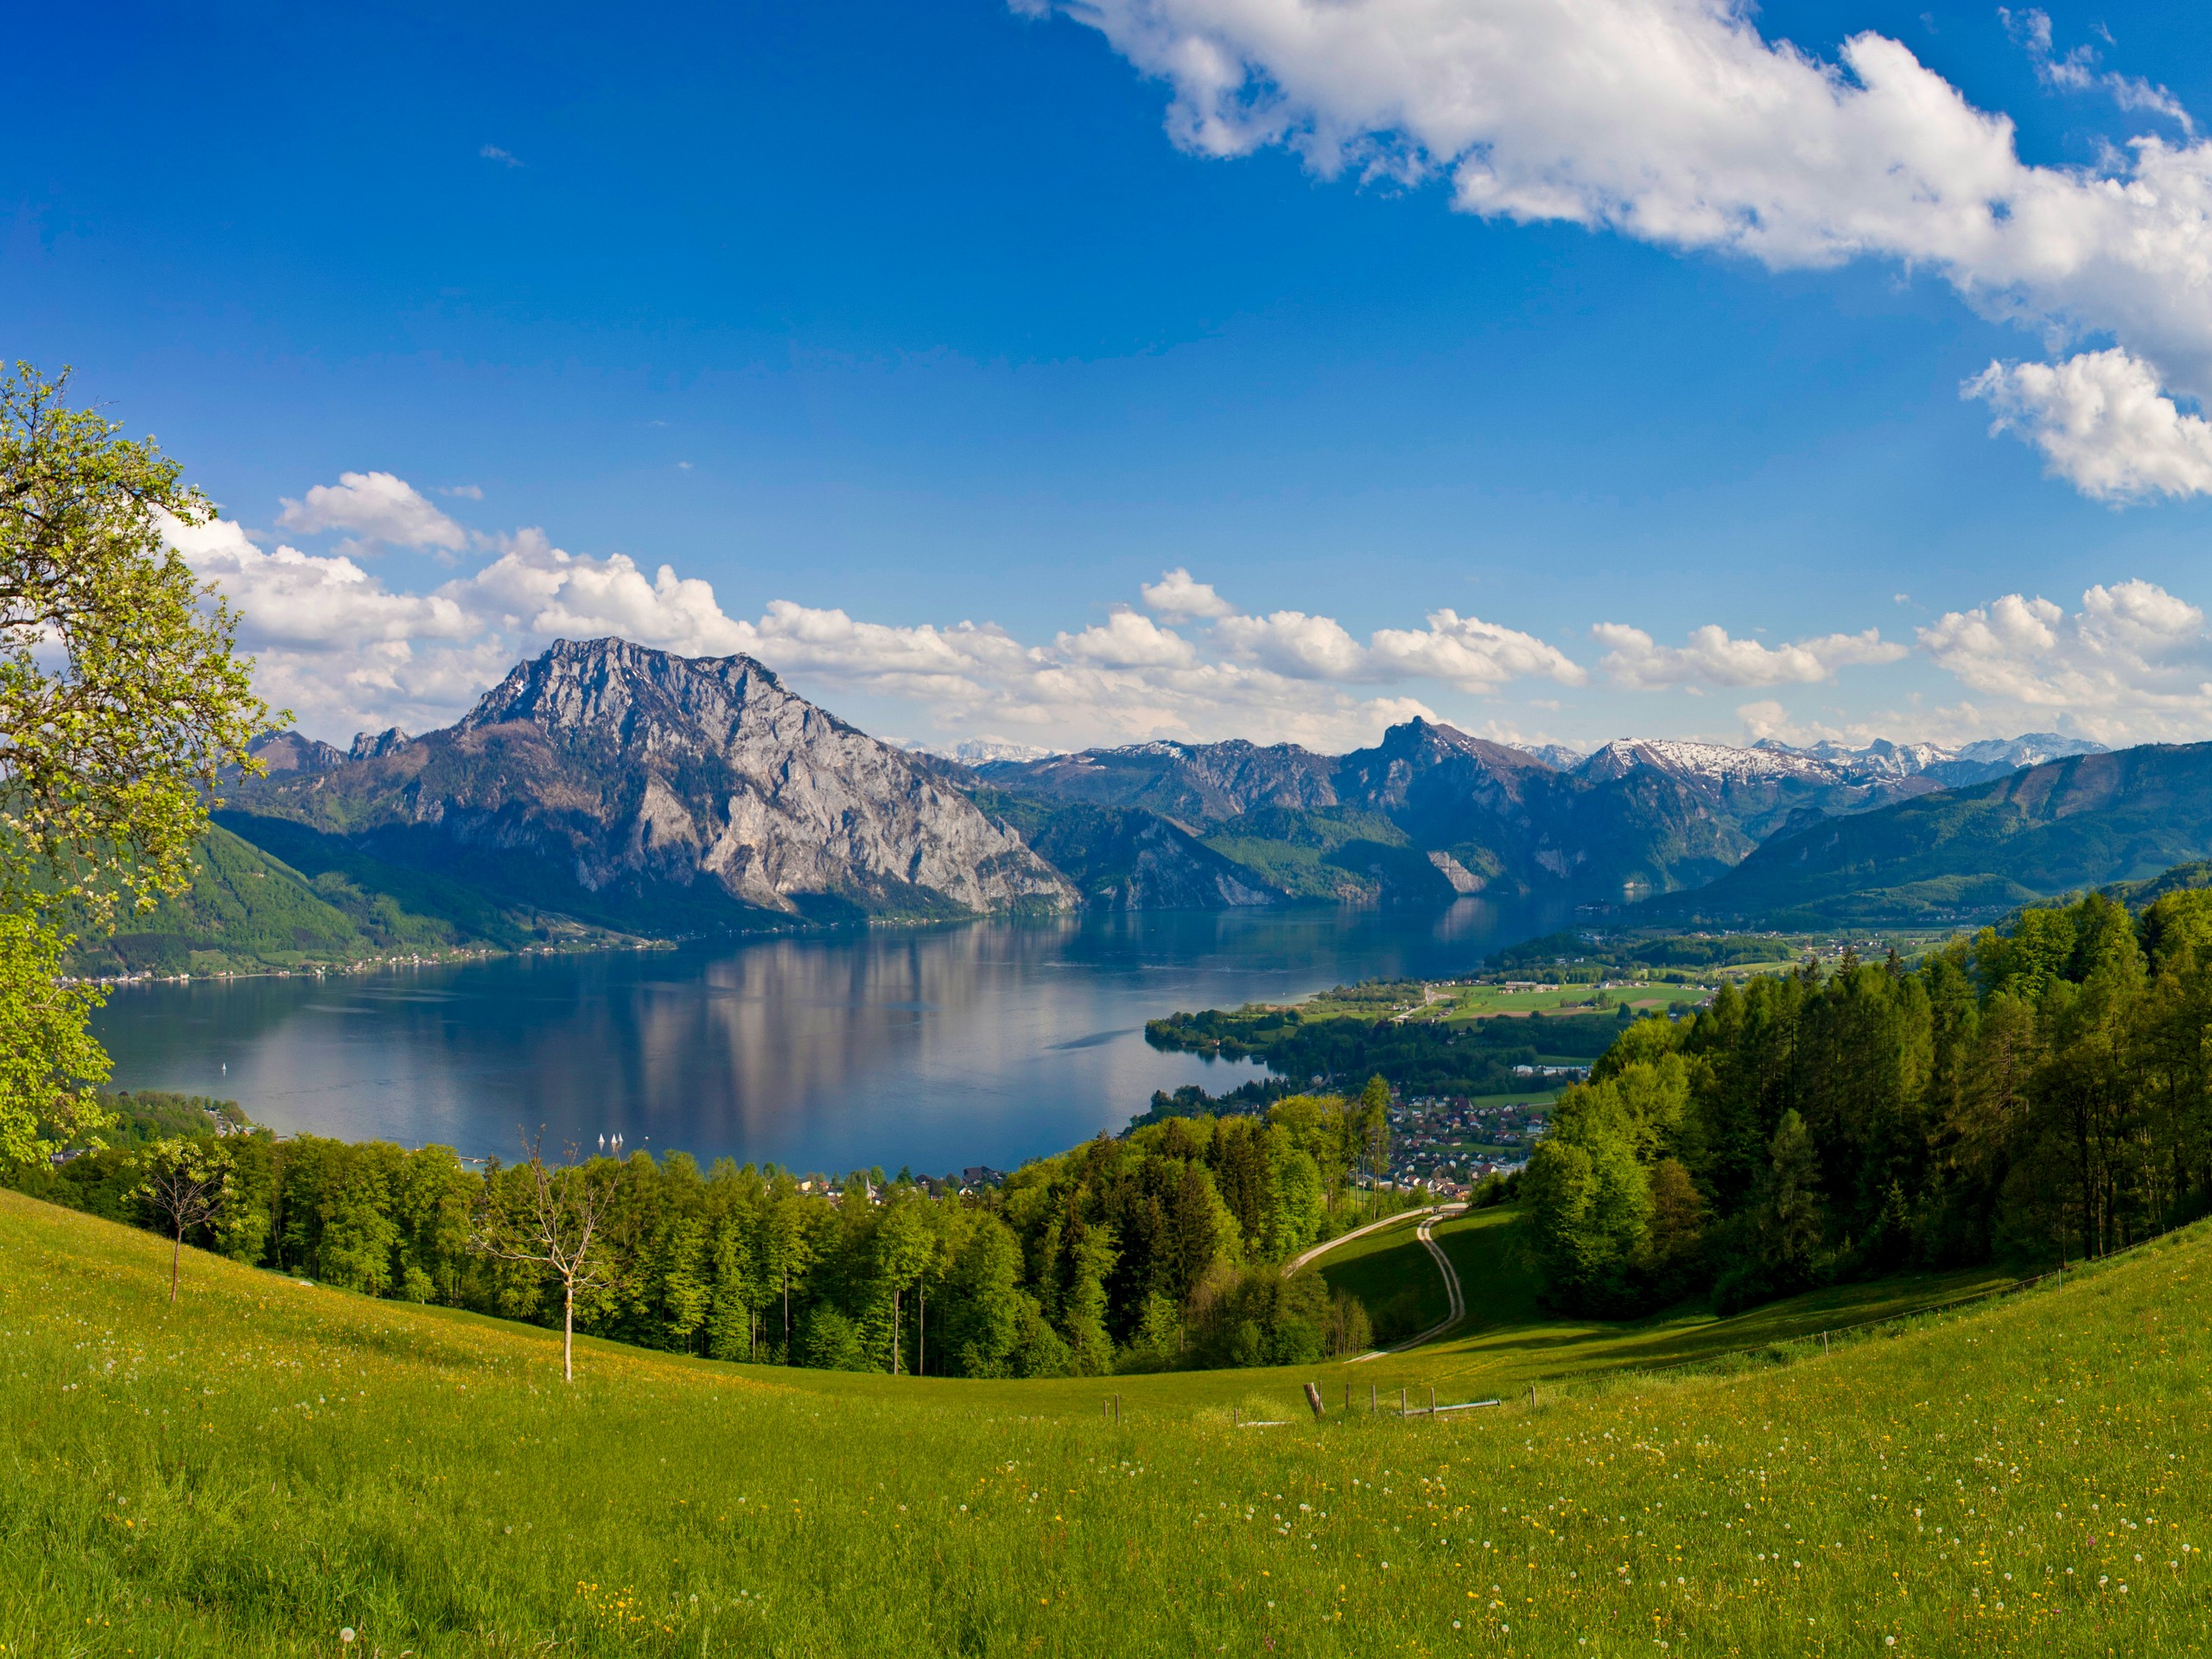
(1455,1300)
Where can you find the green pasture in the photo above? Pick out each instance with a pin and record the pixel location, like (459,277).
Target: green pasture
(269,1464)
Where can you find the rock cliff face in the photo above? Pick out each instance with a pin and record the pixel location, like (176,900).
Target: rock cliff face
(659,789)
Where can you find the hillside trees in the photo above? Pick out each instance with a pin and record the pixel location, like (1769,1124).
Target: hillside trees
(2034,1093)
(121,702)
(1119,1254)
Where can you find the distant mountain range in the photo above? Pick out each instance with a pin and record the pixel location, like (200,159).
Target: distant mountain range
(1430,811)
(2084,821)
(605,790)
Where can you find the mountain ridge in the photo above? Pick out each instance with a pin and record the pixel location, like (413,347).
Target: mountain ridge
(638,788)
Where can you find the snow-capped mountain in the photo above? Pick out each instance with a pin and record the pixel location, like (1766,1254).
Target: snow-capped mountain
(980,751)
(1715,762)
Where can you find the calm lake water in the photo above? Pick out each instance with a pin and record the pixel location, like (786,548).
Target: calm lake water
(986,1043)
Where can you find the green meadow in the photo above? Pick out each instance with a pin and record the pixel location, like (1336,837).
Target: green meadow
(270,1463)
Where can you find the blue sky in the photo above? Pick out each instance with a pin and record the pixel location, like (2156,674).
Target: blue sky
(880,320)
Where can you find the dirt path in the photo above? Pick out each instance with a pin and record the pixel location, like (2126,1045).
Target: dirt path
(1455,1300)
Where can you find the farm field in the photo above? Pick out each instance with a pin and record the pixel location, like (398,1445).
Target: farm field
(271,1463)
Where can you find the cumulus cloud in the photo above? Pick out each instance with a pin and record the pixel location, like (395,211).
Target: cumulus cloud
(2134,662)
(375,507)
(2103,424)
(345,651)
(1128,640)
(1711,658)
(1473,655)
(1180,598)
(1675,122)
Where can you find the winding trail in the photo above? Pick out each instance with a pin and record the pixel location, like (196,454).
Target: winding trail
(1455,1300)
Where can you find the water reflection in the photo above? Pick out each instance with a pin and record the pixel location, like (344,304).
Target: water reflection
(986,1043)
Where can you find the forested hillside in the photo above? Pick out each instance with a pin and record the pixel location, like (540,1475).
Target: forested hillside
(2033,1094)
(1157,1250)
(303,901)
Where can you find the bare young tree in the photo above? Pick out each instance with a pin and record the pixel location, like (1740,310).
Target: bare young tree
(555,1218)
(186,1183)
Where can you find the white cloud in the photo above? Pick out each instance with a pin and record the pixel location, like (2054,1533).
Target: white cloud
(1674,122)
(494,153)
(1179,598)
(1128,640)
(374,507)
(2133,664)
(288,598)
(543,592)
(347,652)
(1464,653)
(1633,658)
(1291,643)
(2103,424)
(1473,655)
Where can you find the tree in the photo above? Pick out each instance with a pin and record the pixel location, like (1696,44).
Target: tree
(905,1247)
(554,1218)
(48,1061)
(186,1184)
(122,703)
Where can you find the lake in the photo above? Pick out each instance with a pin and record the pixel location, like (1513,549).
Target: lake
(935,1048)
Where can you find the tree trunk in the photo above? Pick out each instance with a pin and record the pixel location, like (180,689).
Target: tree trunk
(921,1329)
(176,1253)
(569,1330)
(894,1330)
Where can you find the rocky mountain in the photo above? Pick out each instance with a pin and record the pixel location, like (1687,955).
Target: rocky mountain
(1192,784)
(2084,820)
(283,753)
(625,788)
(1430,811)
(639,788)
(1426,813)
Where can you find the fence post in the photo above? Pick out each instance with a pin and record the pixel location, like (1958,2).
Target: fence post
(1824,1345)
(1532,1396)
(1233,1418)
(1313,1399)
(1402,1403)
(1370,1399)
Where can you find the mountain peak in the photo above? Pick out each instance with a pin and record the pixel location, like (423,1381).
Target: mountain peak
(635,695)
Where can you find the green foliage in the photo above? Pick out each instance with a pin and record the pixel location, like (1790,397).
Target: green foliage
(49,1065)
(2043,1091)
(1414,1057)
(121,704)
(1599,954)
(121,701)
(1106,1258)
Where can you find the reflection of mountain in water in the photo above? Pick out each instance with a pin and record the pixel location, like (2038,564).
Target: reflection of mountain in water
(940,1047)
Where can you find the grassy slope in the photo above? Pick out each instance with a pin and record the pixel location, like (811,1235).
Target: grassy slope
(268,1462)
(1393,1277)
